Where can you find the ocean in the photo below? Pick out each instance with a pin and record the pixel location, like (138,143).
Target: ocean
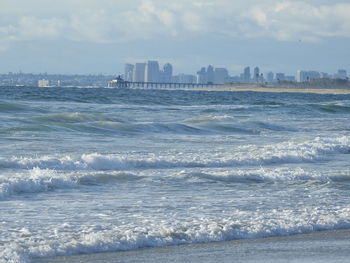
(90,170)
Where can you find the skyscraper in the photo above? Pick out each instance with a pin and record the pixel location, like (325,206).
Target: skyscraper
(202,76)
(129,72)
(246,74)
(152,71)
(139,72)
(221,75)
(210,74)
(167,73)
(256,75)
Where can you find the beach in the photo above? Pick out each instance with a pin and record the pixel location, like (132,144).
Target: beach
(280,89)
(324,246)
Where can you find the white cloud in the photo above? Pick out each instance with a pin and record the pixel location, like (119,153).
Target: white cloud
(114,21)
(302,21)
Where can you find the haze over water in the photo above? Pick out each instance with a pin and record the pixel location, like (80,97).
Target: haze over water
(95,170)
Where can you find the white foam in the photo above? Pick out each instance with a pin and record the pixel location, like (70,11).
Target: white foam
(38,180)
(319,149)
(208,118)
(255,175)
(160,232)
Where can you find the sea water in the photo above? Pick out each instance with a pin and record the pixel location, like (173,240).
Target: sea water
(86,170)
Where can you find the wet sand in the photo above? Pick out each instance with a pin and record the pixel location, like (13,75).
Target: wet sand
(325,246)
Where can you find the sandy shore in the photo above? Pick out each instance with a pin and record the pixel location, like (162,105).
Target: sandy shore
(325,246)
(280,89)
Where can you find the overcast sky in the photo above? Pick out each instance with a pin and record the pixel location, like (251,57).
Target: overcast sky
(100,36)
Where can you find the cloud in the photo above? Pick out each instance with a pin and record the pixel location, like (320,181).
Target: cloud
(298,20)
(105,21)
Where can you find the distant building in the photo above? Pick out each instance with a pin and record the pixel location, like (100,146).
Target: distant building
(43,83)
(210,74)
(167,73)
(246,75)
(290,78)
(280,77)
(187,78)
(152,73)
(221,76)
(256,75)
(325,75)
(270,77)
(202,76)
(139,72)
(304,76)
(128,72)
(175,79)
(341,74)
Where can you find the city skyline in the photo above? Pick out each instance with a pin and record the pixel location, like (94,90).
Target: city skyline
(151,71)
(92,37)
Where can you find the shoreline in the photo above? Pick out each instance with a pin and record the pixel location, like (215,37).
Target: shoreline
(282,89)
(322,246)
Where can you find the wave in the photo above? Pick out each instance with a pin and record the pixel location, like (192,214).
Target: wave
(261,175)
(209,118)
(153,233)
(319,149)
(72,117)
(13,107)
(39,180)
(332,106)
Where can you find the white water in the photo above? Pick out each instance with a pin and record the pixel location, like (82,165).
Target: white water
(82,175)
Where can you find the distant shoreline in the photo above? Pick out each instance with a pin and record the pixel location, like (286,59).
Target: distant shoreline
(241,87)
(281,89)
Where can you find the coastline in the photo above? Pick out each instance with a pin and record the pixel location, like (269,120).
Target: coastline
(323,246)
(280,89)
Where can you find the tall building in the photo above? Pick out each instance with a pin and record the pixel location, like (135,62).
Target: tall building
(256,75)
(246,74)
(139,72)
(202,76)
(152,73)
(167,73)
(128,72)
(210,74)
(221,75)
(303,76)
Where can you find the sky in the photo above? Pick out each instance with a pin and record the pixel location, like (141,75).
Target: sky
(100,36)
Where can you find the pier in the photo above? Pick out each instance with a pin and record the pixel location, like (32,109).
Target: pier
(159,85)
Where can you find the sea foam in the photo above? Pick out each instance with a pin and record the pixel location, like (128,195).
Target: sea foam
(318,149)
(241,225)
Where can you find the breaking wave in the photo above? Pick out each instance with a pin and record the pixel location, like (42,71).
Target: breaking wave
(38,180)
(319,149)
(110,238)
